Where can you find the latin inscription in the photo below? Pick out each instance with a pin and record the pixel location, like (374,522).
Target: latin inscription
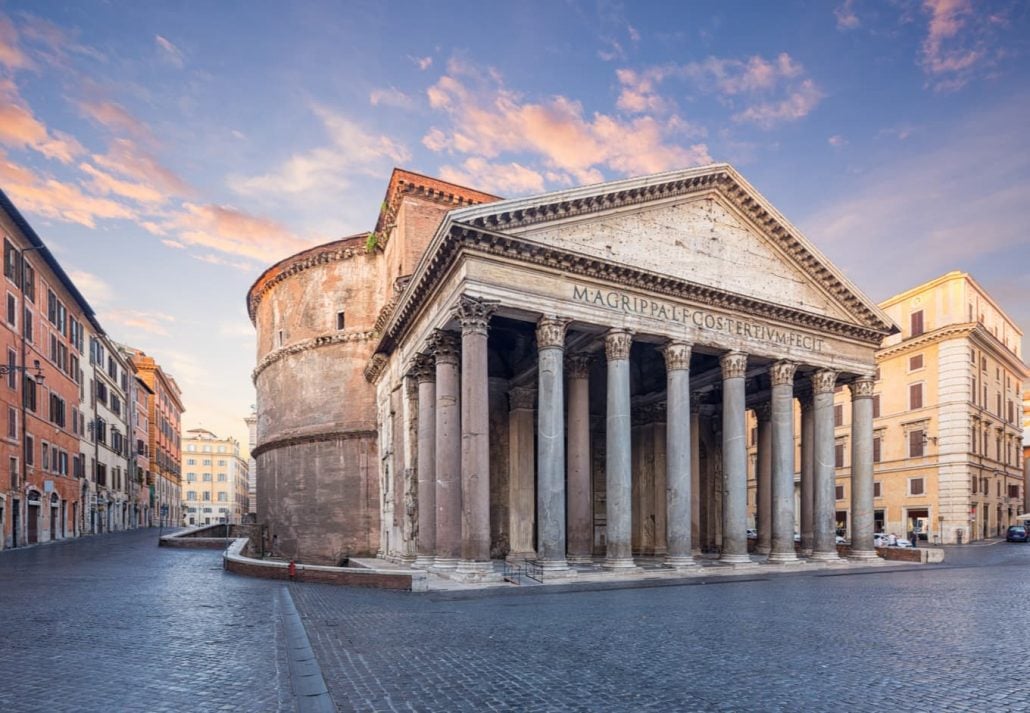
(700,319)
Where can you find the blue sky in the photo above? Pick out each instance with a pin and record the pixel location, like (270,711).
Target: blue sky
(169,151)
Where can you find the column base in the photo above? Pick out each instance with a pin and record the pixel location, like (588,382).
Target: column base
(863,555)
(580,559)
(763,549)
(621,565)
(736,560)
(783,558)
(806,552)
(555,569)
(424,561)
(521,556)
(681,563)
(475,571)
(825,556)
(445,564)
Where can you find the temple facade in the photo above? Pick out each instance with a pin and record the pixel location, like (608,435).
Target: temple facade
(564,378)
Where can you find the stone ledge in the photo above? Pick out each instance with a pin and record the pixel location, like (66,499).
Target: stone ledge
(235,561)
(204,537)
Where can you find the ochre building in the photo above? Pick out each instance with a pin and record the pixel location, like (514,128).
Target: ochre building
(564,378)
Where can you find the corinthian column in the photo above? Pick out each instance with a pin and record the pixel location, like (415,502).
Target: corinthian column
(550,444)
(807,471)
(474,316)
(521,468)
(679,457)
(734,459)
(763,479)
(618,465)
(424,372)
(445,349)
(862,469)
(824,502)
(782,374)
(580,500)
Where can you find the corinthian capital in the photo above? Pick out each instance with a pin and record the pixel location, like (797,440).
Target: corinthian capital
(474,314)
(550,332)
(577,365)
(677,356)
(824,381)
(423,368)
(445,346)
(734,365)
(782,373)
(862,388)
(617,344)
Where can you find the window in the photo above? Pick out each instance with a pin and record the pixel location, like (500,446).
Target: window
(207,477)
(191,495)
(45,456)
(1013,491)
(29,393)
(915,396)
(191,461)
(221,477)
(838,415)
(876,406)
(839,491)
(876,449)
(916,323)
(207,461)
(191,477)
(11,361)
(221,463)
(915,362)
(876,489)
(838,455)
(754,436)
(62,463)
(12,422)
(26,326)
(10,261)
(207,496)
(280,337)
(915,443)
(57,410)
(29,286)
(915,486)
(340,321)
(223,497)
(51,306)
(12,464)
(30,448)
(101,389)
(12,310)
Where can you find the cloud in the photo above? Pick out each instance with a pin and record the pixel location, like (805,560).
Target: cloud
(234,232)
(763,91)
(958,42)
(124,157)
(837,141)
(422,63)
(612,50)
(390,97)
(94,288)
(107,184)
(19,128)
(169,53)
(149,322)
(509,178)
(11,55)
(846,17)
(115,118)
(329,168)
(212,259)
(488,120)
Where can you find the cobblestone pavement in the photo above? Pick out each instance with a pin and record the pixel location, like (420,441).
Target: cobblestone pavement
(113,623)
(951,637)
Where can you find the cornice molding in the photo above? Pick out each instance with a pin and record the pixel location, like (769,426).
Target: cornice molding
(311,438)
(324,340)
(300,264)
(973,330)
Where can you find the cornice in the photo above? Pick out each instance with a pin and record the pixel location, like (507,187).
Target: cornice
(311,438)
(976,330)
(324,340)
(406,183)
(322,255)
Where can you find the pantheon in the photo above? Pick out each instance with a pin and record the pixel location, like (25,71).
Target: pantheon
(562,378)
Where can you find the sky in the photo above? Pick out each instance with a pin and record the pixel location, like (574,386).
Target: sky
(168,152)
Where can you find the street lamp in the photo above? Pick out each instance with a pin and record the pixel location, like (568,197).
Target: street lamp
(35,368)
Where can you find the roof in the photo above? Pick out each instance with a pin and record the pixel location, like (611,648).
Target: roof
(404,182)
(48,257)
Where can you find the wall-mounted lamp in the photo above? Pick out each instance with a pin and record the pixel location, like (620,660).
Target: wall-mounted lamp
(35,368)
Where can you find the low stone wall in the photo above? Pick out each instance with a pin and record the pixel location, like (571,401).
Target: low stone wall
(205,537)
(406,580)
(923,555)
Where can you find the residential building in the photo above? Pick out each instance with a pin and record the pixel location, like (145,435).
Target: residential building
(948,432)
(108,378)
(251,422)
(164,443)
(41,338)
(139,396)
(216,479)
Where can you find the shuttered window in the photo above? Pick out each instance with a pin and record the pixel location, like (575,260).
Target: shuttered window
(916,319)
(915,444)
(915,396)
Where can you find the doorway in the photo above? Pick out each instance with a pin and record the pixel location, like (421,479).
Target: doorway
(15,521)
(33,523)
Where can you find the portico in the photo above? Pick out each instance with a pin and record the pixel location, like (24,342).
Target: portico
(585,361)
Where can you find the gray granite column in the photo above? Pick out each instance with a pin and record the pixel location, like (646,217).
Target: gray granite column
(474,316)
(695,475)
(679,458)
(807,470)
(734,459)
(782,376)
(550,445)
(862,547)
(580,494)
(661,484)
(447,352)
(763,480)
(824,502)
(424,372)
(522,469)
(618,466)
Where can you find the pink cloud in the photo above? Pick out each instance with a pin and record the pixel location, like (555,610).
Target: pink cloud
(795,106)
(846,17)
(125,158)
(168,52)
(11,55)
(19,128)
(107,184)
(508,178)
(150,322)
(488,120)
(114,117)
(957,43)
(390,97)
(231,231)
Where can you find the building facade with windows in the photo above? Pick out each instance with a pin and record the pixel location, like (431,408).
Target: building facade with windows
(215,480)
(563,377)
(108,377)
(139,449)
(251,422)
(42,342)
(164,442)
(948,424)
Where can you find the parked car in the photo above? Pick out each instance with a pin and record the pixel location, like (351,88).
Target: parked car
(902,542)
(752,534)
(1017,533)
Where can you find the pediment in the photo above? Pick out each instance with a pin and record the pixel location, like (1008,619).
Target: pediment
(704,226)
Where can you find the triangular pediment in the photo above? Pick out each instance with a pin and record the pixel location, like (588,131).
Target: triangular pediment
(704,226)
